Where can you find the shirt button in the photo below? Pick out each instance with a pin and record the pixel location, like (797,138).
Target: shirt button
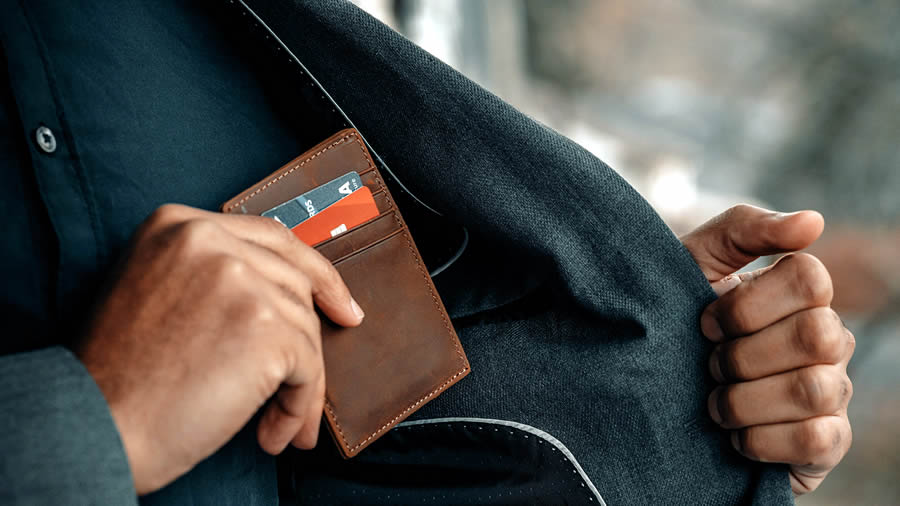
(45,139)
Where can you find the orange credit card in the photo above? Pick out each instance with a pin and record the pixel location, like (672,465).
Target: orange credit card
(350,211)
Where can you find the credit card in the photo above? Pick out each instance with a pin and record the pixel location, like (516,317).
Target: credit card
(350,211)
(300,209)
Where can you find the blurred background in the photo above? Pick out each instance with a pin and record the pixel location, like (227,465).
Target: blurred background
(702,104)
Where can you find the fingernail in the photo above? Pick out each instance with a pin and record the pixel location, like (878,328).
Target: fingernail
(710,327)
(712,405)
(356,309)
(726,284)
(715,365)
(736,440)
(784,216)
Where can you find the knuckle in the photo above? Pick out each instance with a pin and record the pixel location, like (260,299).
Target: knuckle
(811,278)
(303,286)
(166,214)
(274,228)
(727,404)
(230,279)
(195,235)
(750,442)
(312,327)
(271,374)
(851,341)
(318,376)
(227,269)
(299,290)
(820,335)
(740,211)
(733,364)
(314,336)
(328,277)
(846,389)
(160,219)
(818,390)
(816,438)
(821,439)
(289,360)
(305,356)
(304,337)
(733,215)
(256,311)
(736,317)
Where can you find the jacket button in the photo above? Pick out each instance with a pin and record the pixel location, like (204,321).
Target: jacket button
(45,139)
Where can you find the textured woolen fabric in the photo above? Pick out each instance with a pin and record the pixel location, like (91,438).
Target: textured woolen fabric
(68,450)
(614,365)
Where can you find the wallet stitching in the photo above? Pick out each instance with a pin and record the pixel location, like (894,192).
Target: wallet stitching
(400,415)
(424,398)
(278,178)
(434,299)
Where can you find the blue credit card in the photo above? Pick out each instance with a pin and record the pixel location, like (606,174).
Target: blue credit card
(299,209)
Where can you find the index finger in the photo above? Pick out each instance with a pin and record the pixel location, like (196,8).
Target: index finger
(796,282)
(329,291)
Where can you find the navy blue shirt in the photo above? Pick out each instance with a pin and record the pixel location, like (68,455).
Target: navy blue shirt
(148,103)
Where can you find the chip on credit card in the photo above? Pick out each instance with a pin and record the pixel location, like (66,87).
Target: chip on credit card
(352,210)
(300,209)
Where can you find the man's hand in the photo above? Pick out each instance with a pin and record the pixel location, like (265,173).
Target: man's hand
(211,315)
(783,352)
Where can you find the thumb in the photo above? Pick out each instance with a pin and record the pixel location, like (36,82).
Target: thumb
(744,233)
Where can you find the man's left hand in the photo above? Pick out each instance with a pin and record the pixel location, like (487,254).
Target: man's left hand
(782,351)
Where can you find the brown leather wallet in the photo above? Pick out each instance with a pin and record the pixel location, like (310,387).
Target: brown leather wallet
(405,352)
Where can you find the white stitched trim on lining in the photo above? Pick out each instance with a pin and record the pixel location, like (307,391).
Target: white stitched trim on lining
(523,427)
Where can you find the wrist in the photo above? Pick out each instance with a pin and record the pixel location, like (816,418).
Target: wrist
(135,452)
(132,444)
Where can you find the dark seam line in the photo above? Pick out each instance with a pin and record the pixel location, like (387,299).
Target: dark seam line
(84,186)
(49,283)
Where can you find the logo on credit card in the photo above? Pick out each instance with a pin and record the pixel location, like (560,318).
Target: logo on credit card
(303,207)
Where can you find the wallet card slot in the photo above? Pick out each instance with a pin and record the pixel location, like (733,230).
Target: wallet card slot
(361,236)
(372,180)
(382,201)
(365,248)
(369,173)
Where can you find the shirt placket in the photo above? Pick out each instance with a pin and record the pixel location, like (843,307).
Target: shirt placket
(60,177)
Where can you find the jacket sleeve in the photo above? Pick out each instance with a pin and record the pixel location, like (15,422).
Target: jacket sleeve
(58,441)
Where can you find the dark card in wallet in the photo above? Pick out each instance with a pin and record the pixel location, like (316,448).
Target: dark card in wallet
(405,352)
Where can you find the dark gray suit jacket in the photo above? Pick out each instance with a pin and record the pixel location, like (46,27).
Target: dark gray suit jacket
(576,305)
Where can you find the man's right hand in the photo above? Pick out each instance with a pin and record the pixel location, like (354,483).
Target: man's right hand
(212,315)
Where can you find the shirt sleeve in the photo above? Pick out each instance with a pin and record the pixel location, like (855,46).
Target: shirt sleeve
(58,441)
